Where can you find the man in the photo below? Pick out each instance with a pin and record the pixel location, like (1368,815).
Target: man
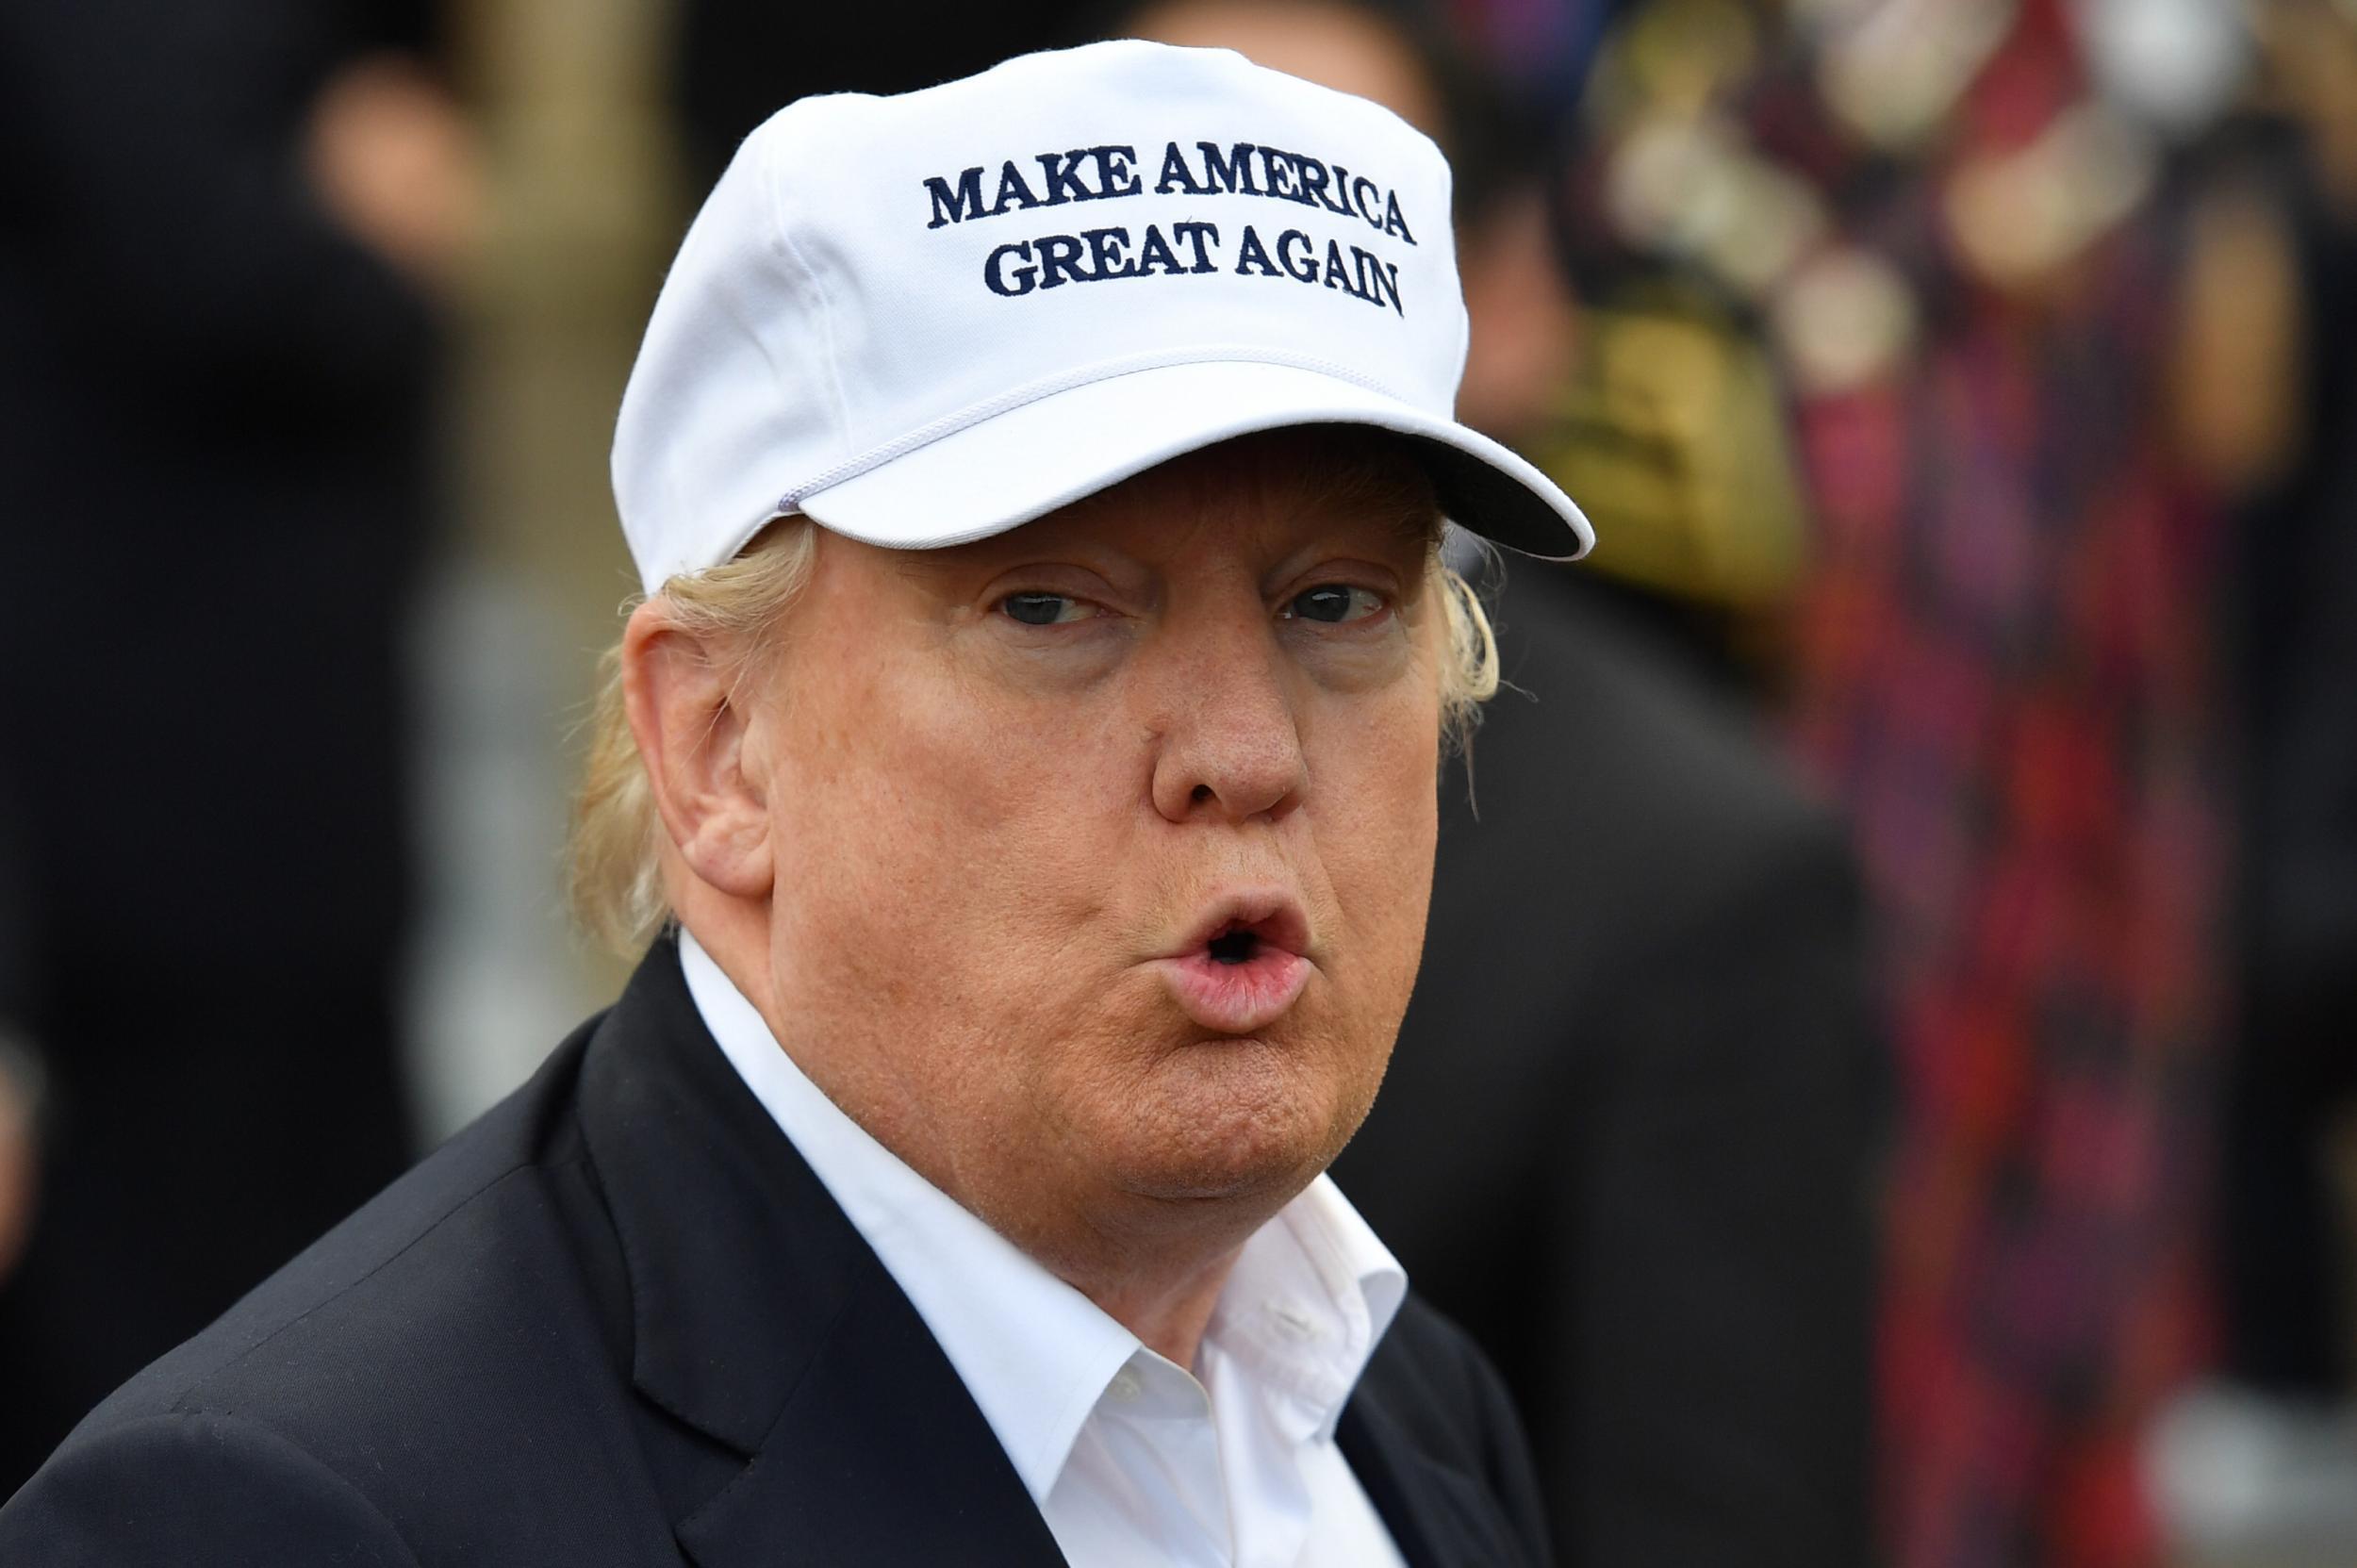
(1033,729)
(228,226)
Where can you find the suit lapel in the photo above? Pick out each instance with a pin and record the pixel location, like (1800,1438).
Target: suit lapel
(762,1320)
(1436,1513)
(879,1457)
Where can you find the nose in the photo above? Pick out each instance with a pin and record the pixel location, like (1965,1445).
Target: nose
(1231,739)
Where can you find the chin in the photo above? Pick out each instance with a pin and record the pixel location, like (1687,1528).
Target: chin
(1230,1119)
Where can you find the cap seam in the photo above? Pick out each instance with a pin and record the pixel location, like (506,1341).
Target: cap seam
(835,394)
(1046,386)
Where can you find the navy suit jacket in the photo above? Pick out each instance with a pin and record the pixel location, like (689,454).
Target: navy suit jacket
(619,1321)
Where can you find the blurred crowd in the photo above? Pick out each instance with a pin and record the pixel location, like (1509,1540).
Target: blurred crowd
(1880,1081)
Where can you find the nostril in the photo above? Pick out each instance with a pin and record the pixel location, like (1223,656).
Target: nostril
(1202,793)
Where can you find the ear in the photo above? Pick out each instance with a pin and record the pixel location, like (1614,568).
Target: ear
(692,735)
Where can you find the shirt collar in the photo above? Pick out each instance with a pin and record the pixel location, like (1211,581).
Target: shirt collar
(1311,1294)
(1309,1298)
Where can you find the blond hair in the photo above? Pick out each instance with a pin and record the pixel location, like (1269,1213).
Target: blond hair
(734,611)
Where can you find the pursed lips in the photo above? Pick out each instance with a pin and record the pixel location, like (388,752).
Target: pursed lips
(1244,966)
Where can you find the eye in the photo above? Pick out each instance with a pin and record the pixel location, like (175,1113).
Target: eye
(1044,609)
(1334,603)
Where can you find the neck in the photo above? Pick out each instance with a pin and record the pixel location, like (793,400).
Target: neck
(1169,1322)
(1161,1285)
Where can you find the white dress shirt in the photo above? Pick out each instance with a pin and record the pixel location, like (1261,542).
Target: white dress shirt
(1132,1459)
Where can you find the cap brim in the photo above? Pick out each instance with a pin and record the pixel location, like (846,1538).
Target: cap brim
(988,477)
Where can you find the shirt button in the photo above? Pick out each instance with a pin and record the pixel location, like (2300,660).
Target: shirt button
(1294,1321)
(1124,1387)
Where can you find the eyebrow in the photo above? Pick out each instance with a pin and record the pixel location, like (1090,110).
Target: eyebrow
(1404,501)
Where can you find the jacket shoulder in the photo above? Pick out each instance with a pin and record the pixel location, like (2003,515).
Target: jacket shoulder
(413,1246)
(200,1489)
(448,1361)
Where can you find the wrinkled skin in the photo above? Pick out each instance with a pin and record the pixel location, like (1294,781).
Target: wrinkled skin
(942,849)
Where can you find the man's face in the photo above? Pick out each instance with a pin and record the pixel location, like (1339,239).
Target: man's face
(1102,847)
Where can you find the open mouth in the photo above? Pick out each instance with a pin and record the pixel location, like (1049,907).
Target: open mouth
(1245,968)
(1244,928)
(1234,946)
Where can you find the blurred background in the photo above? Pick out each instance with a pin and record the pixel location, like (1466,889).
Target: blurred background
(1905,1117)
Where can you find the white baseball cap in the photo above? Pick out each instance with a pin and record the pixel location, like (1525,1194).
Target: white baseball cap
(927,318)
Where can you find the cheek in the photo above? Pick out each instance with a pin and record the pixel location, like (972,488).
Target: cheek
(1375,776)
(933,837)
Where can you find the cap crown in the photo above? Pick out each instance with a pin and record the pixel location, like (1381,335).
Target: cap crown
(873,273)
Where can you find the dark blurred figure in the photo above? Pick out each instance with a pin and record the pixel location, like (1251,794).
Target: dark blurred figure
(1625,1137)
(2260,1461)
(2286,1238)
(740,62)
(217,227)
